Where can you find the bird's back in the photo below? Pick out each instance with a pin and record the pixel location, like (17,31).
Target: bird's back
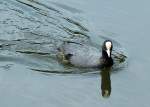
(82,55)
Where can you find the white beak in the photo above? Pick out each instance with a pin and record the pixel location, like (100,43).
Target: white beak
(108,52)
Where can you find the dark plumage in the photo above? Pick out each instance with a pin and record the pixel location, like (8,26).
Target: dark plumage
(82,55)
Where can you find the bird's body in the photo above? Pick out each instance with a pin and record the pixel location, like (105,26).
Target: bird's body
(82,55)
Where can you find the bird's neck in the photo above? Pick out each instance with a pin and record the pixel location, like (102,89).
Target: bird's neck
(105,55)
(107,61)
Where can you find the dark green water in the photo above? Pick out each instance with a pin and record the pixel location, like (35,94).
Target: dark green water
(30,31)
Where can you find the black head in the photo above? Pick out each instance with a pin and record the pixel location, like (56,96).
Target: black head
(107,49)
(106,59)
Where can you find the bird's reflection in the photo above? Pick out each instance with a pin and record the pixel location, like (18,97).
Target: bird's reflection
(106,82)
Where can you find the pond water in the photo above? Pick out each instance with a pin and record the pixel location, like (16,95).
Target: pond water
(31,31)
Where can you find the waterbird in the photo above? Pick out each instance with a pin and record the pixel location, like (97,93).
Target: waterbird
(82,55)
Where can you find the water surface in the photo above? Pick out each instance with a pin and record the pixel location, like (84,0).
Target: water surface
(30,31)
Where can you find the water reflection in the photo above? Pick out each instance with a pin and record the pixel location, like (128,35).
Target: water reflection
(106,82)
(31,31)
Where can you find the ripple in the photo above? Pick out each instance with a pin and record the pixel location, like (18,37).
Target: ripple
(36,29)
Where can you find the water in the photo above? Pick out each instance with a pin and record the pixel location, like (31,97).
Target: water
(30,31)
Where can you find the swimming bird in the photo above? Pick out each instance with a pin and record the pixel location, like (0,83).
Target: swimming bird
(82,55)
